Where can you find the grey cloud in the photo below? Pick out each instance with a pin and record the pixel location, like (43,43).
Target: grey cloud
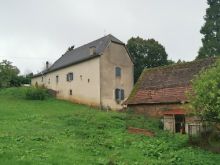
(32,32)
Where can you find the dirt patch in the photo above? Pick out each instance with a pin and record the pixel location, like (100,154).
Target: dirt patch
(140,131)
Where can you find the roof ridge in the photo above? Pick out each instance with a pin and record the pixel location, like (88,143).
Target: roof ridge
(180,64)
(109,35)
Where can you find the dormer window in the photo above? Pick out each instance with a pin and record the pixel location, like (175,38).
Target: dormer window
(92,50)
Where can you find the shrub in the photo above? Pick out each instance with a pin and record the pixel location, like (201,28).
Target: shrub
(205,98)
(36,93)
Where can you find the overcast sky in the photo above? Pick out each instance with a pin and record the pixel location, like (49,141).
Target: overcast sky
(34,31)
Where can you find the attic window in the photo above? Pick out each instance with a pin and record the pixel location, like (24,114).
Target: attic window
(92,50)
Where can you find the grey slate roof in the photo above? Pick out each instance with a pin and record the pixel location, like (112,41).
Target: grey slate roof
(82,53)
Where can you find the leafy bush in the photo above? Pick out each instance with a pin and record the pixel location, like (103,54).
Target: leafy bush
(36,94)
(205,98)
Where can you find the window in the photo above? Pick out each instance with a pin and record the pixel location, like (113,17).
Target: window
(57,79)
(92,50)
(69,76)
(119,94)
(118,72)
(49,81)
(42,79)
(71,92)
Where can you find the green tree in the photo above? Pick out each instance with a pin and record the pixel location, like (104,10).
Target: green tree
(8,73)
(205,96)
(146,53)
(211,31)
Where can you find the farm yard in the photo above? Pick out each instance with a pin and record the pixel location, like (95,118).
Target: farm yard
(59,132)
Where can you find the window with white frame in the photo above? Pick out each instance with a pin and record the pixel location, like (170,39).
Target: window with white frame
(69,76)
(119,94)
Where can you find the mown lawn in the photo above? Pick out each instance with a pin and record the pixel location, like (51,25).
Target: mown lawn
(59,132)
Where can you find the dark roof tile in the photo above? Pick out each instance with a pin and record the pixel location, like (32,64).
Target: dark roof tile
(82,53)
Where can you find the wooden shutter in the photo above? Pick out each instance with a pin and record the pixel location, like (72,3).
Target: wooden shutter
(67,77)
(117,97)
(122,94)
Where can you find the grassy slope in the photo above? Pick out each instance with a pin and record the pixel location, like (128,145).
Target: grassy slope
(59,132)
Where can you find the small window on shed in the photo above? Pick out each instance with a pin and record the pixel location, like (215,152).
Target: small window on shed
(118,72)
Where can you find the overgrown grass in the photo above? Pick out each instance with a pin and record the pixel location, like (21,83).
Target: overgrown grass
(59,132)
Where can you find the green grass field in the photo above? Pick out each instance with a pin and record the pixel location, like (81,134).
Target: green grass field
(59,132)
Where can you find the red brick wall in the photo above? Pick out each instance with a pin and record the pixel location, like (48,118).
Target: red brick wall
(154,110)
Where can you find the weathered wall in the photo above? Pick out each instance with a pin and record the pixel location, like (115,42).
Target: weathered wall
(169,123)
(85,85)
(154,110)
(115,55)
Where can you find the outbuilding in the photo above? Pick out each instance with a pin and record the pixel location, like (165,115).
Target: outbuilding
(162,92)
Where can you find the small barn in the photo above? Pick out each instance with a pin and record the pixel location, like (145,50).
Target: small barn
(162,92)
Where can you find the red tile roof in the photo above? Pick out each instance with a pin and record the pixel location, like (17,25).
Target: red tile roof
(167,84)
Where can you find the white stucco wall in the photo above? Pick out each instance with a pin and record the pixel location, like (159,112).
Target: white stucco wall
(100,71)
(83,91)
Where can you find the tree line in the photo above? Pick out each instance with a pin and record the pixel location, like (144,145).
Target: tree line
(9,75)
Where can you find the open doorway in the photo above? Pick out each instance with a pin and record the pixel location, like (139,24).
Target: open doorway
(174,120)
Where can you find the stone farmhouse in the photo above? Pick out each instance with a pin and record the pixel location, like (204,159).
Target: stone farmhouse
(99,73)
(161,92)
